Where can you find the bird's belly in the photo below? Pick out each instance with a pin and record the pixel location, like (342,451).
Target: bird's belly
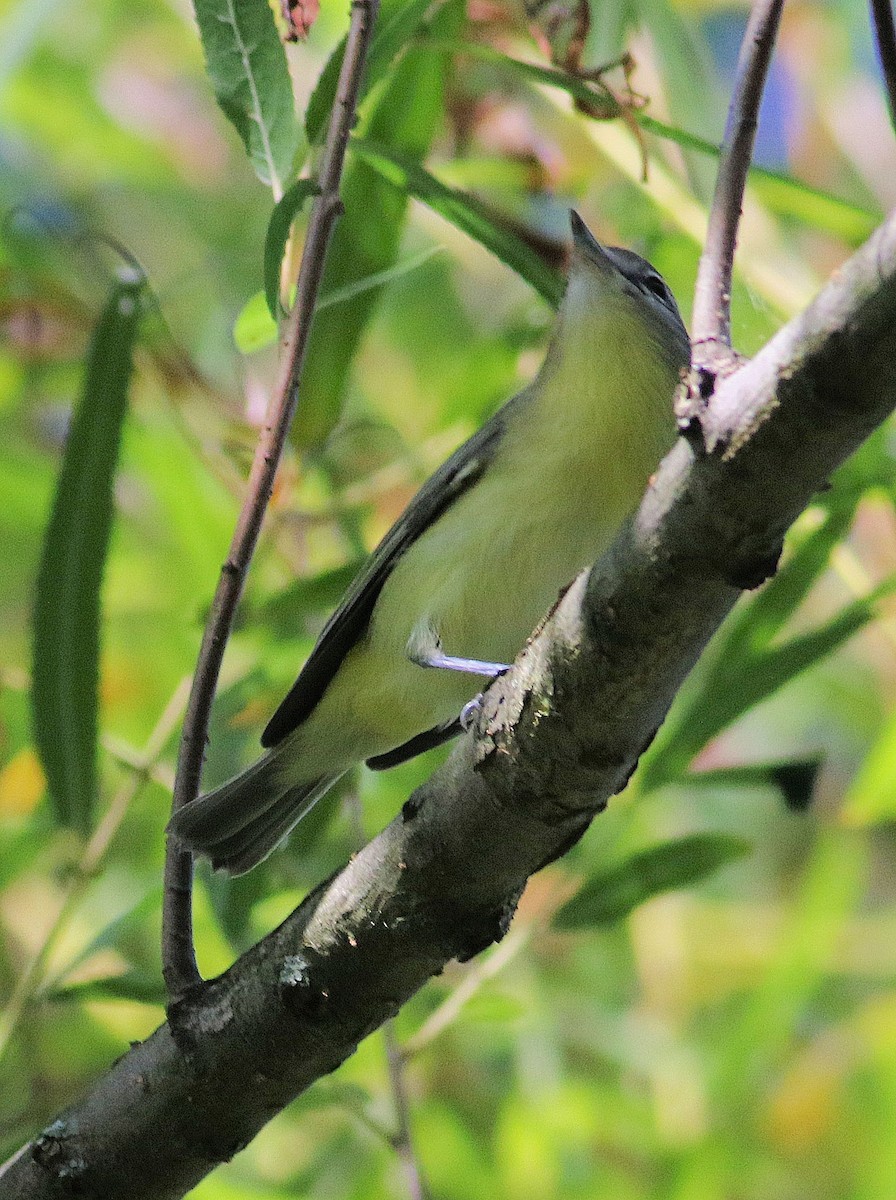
(486,573)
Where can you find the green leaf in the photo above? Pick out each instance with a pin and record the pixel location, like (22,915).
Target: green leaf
(285,212)
(406,115)
(255,328)
(612,895)
(247,67)
(465,212)
(871,798)
(795,779)
(142,986)
(395,28)
(67,602)
(737,683)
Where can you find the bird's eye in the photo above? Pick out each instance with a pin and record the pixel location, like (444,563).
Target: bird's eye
(656,287)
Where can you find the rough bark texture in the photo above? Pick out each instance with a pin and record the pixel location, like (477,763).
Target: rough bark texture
(557,736)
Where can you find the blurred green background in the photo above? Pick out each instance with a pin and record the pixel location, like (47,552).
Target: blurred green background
(733,1040)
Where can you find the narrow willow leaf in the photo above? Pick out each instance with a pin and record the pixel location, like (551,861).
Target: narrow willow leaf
(255,328)
(739,683)
(396,26)
(136,984)
(247,67)
(467,214)
(67,602)
(795,779)
(611,895)
(285,212)
(407,113)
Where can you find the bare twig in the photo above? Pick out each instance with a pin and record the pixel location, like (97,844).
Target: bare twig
(178,956)
(885,36)
(711,324)
(402,1141)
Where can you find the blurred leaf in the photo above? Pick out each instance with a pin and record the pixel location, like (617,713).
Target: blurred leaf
(111,935)
(612,895)
(146,987)
(871,798)
(285,212)
(406,115)
(286,613)
(744,665)
(255,328)
(755,626)
(396,25)
(736,684)
(247,67)
(67,601)
(795,780)
(467,213)
(691,88)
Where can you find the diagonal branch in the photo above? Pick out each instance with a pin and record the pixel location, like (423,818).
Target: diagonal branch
(885,37)
(557,737)
(711,321)
(178,956)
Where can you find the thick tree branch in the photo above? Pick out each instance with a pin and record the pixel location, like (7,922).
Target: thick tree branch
(178,957)
(558,736)
(711,320)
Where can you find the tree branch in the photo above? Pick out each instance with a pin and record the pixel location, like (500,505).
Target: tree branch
(178,956)
(711,320)
(885,36)
(557,736)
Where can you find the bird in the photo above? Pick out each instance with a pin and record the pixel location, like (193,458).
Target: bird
(454,589)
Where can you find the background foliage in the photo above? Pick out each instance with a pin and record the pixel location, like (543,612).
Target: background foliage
(713,1013)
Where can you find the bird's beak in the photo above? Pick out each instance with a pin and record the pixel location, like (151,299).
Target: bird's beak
(586,244)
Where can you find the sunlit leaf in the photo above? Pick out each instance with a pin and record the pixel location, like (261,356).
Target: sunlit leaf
(67,601)
(247,67)
(612,894)
(871,798)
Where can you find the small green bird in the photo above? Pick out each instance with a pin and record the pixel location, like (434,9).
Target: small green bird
(477,558)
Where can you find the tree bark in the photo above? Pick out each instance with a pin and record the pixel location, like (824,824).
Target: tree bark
(556,737)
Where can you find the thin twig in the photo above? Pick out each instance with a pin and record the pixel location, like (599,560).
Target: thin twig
(711,324)
(885,36)
(91,859)
(178,955)
(451,1007)
(402,1141)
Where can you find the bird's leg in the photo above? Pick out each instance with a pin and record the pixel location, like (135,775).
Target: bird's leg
(425,649)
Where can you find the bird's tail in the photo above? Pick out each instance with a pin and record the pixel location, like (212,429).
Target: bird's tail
(239,824)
